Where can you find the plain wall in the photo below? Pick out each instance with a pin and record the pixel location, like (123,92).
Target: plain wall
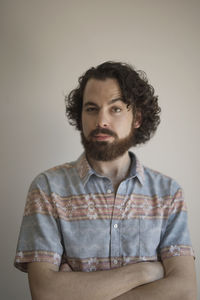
(45,46)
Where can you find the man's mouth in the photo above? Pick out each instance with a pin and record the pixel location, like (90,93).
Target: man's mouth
(102,137)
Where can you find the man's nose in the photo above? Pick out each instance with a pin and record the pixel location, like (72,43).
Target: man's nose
(102,120)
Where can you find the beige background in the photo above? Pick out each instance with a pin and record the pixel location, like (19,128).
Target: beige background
(45,46)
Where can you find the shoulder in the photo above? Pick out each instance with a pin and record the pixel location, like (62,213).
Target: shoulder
(59,169)
(53,176)
(163,184)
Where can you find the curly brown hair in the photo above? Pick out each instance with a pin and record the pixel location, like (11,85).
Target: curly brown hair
(136,92)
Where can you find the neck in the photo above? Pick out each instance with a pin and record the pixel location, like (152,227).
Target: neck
(116,169)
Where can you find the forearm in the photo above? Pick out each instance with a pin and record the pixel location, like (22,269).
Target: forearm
(94,285)
(99,285)
(177,285)
(165,289)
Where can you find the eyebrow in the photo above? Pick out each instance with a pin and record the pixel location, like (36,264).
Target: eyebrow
(88,103)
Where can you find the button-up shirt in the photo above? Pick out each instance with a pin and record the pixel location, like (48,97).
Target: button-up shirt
(73,216)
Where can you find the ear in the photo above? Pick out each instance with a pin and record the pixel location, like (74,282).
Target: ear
(138,119)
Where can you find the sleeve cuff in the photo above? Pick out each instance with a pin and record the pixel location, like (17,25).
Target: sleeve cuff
(23,258)
(176,250)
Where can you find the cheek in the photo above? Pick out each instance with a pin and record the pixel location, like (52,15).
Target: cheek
(122,129)
(86,125)
(125,125)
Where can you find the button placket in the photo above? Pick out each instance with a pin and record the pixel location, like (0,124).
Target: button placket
(114,230)
(115,239)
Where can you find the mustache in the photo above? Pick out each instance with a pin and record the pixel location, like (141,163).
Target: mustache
(102,130)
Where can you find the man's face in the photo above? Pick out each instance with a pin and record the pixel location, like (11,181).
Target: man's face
(107,123)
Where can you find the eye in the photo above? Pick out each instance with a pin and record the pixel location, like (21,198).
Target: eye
(91,109)
(116,109)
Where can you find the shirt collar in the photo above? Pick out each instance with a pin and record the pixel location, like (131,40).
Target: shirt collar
(137,169)
(85,171)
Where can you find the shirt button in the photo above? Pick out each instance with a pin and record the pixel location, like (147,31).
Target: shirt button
(109,191)
(115,226)
(115,261)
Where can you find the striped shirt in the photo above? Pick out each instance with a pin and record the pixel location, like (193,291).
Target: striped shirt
(73,216)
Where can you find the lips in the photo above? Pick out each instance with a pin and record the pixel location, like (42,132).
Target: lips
(102,137)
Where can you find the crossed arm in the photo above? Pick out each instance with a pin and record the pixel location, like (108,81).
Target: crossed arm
(146,280)
(179,282)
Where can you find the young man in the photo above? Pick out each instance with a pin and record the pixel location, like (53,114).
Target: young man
(105,227)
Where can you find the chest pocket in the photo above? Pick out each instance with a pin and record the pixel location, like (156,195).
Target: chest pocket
(140,237)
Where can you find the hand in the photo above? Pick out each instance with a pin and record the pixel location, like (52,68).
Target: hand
(153,270)
(65,268)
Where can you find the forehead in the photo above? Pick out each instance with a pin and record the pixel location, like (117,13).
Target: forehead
(96,89)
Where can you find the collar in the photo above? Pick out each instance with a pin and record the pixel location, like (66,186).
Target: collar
(85,171)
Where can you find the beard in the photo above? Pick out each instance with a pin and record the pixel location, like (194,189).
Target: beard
(107,151)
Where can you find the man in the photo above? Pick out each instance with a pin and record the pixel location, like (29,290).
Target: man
(105,227)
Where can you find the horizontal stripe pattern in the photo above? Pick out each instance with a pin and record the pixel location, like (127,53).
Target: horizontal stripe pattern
(24,257)
(101,264)
(92,264)
(99,206)
(176,250)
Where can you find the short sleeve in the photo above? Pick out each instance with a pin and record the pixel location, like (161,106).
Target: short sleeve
(175,239)
(39,238)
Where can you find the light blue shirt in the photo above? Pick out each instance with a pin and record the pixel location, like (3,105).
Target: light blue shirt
(73,216)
